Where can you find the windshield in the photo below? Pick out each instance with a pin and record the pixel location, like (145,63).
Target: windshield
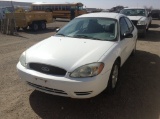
(90,28)
(80,7)
(133,12)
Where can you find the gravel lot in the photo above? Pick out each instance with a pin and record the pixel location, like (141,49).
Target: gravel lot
(137,95)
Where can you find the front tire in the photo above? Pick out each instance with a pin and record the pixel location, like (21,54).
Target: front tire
(143,35)
(113,79)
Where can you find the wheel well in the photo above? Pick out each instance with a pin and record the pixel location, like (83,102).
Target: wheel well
(118,60)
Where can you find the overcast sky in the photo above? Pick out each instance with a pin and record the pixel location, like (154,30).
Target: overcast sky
(105,4)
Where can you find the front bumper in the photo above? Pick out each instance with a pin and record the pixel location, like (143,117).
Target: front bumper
(64,86)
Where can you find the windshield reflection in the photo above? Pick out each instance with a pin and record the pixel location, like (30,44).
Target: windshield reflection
(90,28)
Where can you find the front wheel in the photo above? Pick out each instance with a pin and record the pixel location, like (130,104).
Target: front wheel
(113,79)
(143,35)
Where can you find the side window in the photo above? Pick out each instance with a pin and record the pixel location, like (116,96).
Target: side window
(56,7)
(129,24)
(68,7)
(53,8)
(123,26)
(63,7)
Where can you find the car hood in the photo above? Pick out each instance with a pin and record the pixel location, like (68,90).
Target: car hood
(136,18)
(67,53)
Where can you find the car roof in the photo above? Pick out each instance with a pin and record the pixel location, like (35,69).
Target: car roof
(103,15)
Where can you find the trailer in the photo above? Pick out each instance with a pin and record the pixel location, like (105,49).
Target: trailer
(33,20)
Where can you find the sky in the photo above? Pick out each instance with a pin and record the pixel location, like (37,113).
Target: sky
(107,4)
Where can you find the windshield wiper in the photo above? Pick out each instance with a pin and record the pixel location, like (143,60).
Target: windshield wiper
(85,36)
(81,36)
(60,34)
(95,38)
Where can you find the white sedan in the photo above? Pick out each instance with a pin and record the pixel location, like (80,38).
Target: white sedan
(83,58)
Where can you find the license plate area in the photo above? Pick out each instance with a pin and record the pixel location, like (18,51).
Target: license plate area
(40,80)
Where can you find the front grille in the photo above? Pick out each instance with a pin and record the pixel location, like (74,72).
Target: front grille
(134,22)
(47,69)
(47,89)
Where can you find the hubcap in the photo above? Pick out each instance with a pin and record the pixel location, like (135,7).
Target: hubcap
(114,76)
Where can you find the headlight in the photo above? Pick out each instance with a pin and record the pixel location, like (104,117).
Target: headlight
(141,23)
(88,70)
(22,59)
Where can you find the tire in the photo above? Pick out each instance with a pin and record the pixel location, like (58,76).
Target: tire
(42,25)
(143,35)
(35,26)
(113,79)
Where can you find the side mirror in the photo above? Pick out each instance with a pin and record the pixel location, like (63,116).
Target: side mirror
(127,35)
(57,30)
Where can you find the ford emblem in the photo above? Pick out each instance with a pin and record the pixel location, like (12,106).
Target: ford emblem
(46,69)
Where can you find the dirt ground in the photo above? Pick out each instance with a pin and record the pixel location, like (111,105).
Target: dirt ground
(137,95)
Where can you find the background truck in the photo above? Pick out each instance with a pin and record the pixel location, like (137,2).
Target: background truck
(33,20)
(140,17)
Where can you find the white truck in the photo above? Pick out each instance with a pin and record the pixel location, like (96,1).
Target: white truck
(140,17)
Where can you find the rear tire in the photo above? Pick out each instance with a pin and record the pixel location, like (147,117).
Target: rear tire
(113,79)
(42,25)
(35,26)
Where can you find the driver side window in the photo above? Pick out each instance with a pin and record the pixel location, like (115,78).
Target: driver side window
(123,26)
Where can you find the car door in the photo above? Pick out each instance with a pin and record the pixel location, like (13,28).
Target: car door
(132,30)
(125,43)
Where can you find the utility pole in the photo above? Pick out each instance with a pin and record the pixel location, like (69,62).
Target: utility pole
(14,20)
